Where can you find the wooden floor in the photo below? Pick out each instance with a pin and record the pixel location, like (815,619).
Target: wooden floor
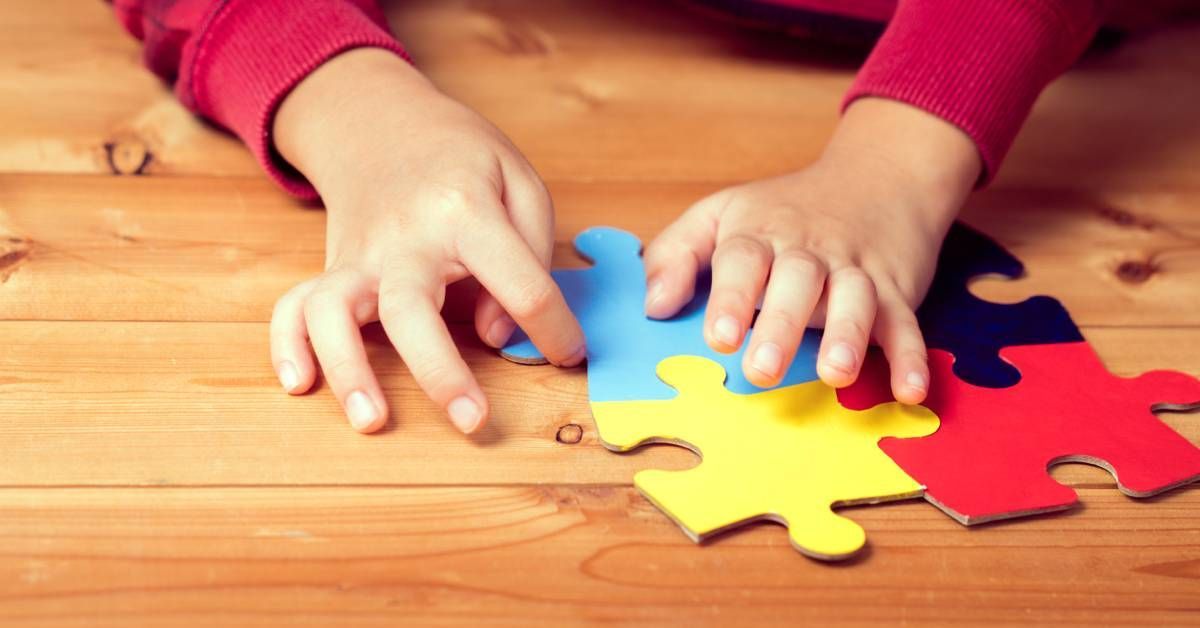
(154,473)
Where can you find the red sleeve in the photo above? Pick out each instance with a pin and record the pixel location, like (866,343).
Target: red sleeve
(977,65)
(233,61)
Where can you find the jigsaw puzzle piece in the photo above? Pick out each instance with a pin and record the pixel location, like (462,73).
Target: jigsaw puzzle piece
(989,459)
(974,330)
(788,454)
(703,505)
(624,346)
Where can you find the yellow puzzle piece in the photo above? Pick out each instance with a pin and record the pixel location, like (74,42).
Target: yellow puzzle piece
(788,454)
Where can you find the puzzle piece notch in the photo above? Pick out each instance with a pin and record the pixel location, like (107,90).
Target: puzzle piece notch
(624,346)
(788,455)
(974,330)
(989,460)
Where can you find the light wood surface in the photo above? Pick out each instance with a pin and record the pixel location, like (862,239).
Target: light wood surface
(155,474)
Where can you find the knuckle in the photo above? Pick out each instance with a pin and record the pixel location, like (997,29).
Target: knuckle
(802,261)
(340,369)
(742,248)
(907,354)
(781,321)
(853,328)
(534,297)
(672,252)
(395,302)
(323,299)
(737,298)
(854,275)
(447,198)
(440,378)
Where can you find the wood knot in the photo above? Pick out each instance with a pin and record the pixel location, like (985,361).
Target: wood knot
(12,258)
(1124,218)
(1135,271)
(518,39)
(569,434)
(127,154)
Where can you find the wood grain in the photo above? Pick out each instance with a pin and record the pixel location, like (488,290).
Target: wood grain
(197,404)
(553,556)
(575,83)
(199,249)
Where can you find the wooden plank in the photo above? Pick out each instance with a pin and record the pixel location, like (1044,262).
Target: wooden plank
(96,404)
(567,555)
(203,249)
(75,98)
(640,91)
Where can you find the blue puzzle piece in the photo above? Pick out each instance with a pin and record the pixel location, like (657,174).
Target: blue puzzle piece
(974,330)
(624,346)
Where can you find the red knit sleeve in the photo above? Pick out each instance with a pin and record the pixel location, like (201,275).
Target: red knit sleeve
(233,61)
(977,65)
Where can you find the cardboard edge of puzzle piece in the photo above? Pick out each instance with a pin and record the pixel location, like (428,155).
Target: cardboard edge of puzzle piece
(779,519)
(971,520)
(1112,471)
(843,539)
(872,372)
(773,517)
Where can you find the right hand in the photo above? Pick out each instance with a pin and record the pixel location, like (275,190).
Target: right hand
(420,192)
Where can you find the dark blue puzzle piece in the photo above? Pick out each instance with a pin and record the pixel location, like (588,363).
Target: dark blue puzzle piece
(974,330)
(624,346)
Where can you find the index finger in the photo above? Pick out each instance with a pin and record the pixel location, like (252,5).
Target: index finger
(503,262)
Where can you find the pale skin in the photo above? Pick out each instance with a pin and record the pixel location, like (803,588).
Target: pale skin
(421,193)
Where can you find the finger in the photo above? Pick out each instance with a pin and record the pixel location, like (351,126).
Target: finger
(408,309)
(513,274)
(331,313)
(674,258)
(530,208)
(531,212)
(849,314)
(290,354)
(897,331)
(740,265)
(796,281)
(492,323)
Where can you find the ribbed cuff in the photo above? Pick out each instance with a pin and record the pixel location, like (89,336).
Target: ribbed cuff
(251,53)
(978,65)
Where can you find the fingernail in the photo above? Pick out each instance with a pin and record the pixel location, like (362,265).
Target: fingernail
(768,359)
(499,331)
(917,381)
(653,294)
(576,358)
(728,331)
(361,410)
(841,356)
(289,377)
(464,414)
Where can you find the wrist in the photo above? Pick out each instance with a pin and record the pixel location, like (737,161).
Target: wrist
(320,123)
(934,163)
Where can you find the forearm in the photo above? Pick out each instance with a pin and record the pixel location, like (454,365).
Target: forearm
(327,118)
(234,61)
(978,65)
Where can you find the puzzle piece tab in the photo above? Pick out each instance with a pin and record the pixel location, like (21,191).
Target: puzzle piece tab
(989,458)
(624,346)
(787,454)
(975,330)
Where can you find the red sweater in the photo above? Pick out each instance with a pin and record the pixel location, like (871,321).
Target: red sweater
(979,65)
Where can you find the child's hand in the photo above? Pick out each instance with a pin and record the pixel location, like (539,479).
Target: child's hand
(849,243)
(420,192)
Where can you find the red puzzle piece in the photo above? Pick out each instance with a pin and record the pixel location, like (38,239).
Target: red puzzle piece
(989,458)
